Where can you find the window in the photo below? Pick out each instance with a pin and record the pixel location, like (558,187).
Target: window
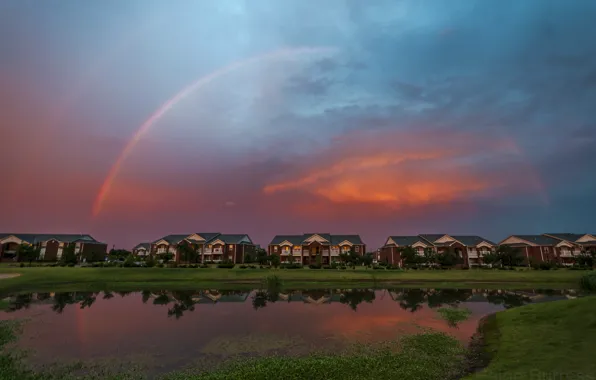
(275,247)
(546,249)
(357,248)
(210,246)
(231,246)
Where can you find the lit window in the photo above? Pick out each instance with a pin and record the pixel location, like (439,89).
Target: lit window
(210,246)
(231,246)
(357,249)
(275,248)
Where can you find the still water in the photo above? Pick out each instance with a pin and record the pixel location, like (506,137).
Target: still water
(168,330)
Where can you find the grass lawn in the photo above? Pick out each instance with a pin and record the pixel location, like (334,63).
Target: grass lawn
(65,278)
(543,341)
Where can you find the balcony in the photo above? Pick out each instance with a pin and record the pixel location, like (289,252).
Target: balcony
(473,254)
(566,254)
(325,252)
(297,252)
(335,252)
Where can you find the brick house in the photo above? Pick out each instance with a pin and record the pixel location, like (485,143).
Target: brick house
(306,247)
(534,248)
(469,248)
(52,246)
(211,246)
(142,249)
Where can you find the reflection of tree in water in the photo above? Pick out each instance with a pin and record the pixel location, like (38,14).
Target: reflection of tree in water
(259,299)
(354,297)
(107,295)
(61,300)
(507,299)
(411,299)
(146,295)
(88,299)
(183,302)
(162,298)
(20,301)
(440,297)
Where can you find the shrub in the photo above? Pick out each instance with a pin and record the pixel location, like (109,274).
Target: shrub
(129,262)
(204,266)
(243,267)
(71,265)
(327,267)
(226,265)
(160,265)
(314,266)
(150,262)
(378,267)
(193,266)
(588,282)
(291,266)
(343,267)
(252,266)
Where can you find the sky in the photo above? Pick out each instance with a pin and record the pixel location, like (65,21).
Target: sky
(131,120)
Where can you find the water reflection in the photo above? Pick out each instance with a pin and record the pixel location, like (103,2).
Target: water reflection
(180,302)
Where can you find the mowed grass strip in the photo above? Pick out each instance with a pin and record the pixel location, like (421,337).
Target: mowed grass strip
(37,278)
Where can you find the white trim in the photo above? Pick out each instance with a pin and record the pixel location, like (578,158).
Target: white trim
(345,242)
(14,239)
(419,244)
(586,237)
(564,243)
(514,239)
(217,242)
(162,242)
(484,244)
(445,239)
(285,242)
(390,241)
(317,238)
(195,237)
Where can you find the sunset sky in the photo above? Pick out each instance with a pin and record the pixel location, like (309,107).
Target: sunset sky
(130,120)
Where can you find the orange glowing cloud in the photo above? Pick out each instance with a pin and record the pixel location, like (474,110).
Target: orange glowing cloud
(399,168)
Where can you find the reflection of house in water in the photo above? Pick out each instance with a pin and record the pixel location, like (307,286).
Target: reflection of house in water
(215,296)
(320,297)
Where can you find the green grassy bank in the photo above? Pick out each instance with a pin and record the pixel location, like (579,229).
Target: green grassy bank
(135,278)
(65,278)
(542,341)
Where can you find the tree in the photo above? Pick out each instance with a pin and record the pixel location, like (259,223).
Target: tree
(166,256)
(291,258)
(586,258)
(409,256)
(68,254)
(28,253)
(430,257)
(118,254)
(188,252)
(274,259)
(354,258)
(448,258)
(509,256)
(492,258)
(318,259)
(261,256)
(367,259)
(344,257)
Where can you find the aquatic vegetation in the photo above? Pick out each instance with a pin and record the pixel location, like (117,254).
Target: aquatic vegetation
(424,356)
(588,282)
(253,344)
(454,315)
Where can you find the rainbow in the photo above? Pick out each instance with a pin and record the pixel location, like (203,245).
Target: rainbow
(161,111)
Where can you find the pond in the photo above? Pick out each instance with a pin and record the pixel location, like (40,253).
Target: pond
(161,331)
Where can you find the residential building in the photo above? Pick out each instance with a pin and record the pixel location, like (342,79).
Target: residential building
(534,248)
(142,249)
(306,247)
(470,248)
(52,246)
(210,246)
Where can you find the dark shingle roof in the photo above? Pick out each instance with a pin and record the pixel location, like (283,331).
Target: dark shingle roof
(66,238)
(299,239)
(567,236)
(431,237)
(175,239)
(471,240)
(294,239)
(230,238)
(354,239)
(147,246)
(404,241)
(538,239)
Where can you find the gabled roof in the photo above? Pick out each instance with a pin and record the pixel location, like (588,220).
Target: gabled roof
(404,241)
(294,239)
(431,238)
(471,240)
(354,239)
(147,246)
(38,238)
(300,239)
(231,238)
(175,239)
(537,239)
(566,236)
